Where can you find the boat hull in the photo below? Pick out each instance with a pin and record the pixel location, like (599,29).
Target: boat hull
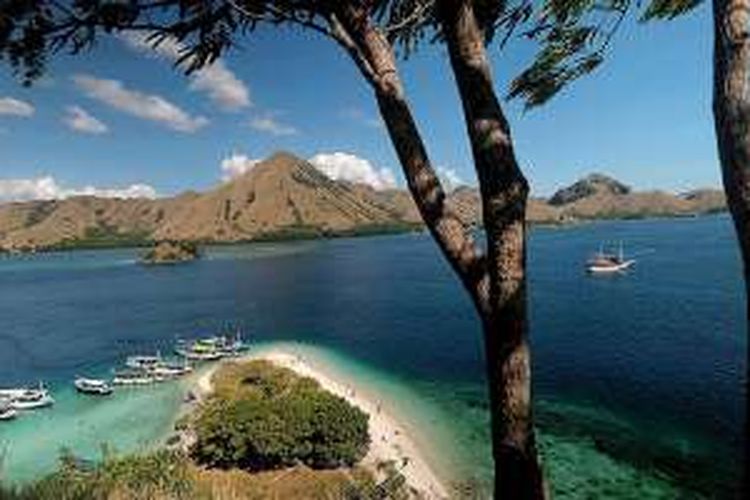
(609,269)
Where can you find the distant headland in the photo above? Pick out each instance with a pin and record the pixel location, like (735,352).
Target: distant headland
(285,197)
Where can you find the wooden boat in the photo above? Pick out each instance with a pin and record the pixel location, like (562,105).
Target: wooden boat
(603,262)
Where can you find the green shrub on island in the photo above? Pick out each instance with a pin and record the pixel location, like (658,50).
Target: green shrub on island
(170,475)
(171,252)
(161,474)
(262,417)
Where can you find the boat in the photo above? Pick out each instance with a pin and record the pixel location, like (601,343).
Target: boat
(143,362)
(93,386)
(603,262)
(132,377)
(165,371)
(211,348)
(31,398)
(7,412)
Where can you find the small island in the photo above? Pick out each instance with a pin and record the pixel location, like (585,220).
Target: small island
(171,252)
(268,427)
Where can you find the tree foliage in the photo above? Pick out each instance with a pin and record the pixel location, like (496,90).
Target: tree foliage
(263,417)
(574,36)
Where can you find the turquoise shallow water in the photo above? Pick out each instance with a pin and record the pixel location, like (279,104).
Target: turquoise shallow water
(638,379)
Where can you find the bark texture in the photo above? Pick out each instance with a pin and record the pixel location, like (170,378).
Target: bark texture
(732,113)
(504,190)
(731,105)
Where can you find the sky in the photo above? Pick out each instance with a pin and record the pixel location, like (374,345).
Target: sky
(120,120)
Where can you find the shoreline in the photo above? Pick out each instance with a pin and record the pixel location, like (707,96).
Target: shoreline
(388,439)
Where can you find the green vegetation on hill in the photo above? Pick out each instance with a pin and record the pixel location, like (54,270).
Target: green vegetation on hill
(262,417)
(104,237)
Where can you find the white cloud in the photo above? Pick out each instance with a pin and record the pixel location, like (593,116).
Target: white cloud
(81,120)
(236,165)
(270,125)
(351,168)
(450,178)
(47,188)
(14,107)
(146,106)
(360,116)
(220,84)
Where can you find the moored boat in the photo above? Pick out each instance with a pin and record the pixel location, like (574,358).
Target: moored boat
(143,362)
(132,377)
(93,386)
(31,398)
(166,371)
(602,262)
(7,412)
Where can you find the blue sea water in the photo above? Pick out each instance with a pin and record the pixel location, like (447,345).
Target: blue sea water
(639,379)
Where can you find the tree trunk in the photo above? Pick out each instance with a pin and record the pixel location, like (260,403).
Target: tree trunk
(732,113)
(496,283)
(518,474)
(732,122)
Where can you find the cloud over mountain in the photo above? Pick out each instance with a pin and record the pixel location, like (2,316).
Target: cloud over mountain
(351,168)
(47,188)
(146,106)
(236,165)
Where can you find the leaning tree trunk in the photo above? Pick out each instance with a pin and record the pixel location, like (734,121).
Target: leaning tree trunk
(732,115)
(518,474)
(732,122)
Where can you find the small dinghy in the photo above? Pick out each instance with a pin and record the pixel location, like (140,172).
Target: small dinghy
(92,386)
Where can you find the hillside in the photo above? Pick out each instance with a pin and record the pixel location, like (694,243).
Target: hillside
(286,197)
(282,196)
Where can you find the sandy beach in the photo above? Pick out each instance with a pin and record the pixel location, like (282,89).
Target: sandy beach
(389,442)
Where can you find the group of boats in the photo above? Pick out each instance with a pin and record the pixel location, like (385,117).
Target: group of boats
(31,398)
(139,370)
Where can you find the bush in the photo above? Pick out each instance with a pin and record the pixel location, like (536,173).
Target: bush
(264,417)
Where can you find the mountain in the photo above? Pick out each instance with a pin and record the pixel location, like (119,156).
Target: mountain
(286,197)
(280,197)
(592,185)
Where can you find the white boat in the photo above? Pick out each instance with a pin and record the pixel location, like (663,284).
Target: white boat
(603,262)
(166,371)
(7,412)
(93,386)
(132,377)
(32,399)
(143,362)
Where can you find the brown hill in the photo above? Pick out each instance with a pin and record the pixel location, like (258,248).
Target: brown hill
(284,196)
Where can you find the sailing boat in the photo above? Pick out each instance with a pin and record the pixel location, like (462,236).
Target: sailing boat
(603,262)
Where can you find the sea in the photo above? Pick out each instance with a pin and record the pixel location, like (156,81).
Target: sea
(638,378)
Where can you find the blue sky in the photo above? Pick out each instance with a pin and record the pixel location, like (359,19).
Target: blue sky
(644,117)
